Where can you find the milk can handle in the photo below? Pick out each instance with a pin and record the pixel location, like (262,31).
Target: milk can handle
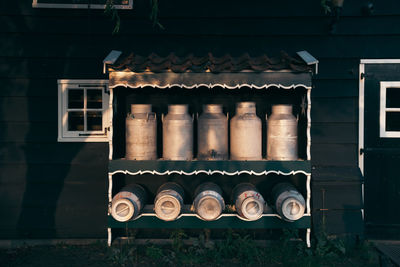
(162,117)
(150,114)
(227,116)
(266,116)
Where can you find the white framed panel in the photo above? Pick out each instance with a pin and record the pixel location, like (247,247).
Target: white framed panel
(383,110)
(56,4)
(83,134)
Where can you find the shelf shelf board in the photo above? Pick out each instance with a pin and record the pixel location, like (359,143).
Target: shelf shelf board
(226,167)
(191,221)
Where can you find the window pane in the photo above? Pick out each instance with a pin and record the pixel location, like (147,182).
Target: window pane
(94,121)
(75,98)
(75,121)
(393,97)
(94,98)
(392,121)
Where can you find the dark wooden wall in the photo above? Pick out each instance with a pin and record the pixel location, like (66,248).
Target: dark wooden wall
(50,189)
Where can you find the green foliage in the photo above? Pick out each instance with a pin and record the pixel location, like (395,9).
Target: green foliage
(112,12)
(154,14)
(123,255)
(177,240)
(325,4)
(329,247)
(238,248)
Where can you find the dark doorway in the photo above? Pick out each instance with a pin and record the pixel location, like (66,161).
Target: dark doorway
(382,150)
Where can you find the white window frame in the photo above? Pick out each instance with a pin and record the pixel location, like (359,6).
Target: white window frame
(383,109)
(35,4)
(83,136)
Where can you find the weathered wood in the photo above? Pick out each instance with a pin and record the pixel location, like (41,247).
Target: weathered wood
(334,87)
(179,8)
(63,222)
(90,153)
(334,133)
(48,174)
(29,132)
(337,195)
(334,110)
(57,194)
(338,222)
(39,46)
(28,87)
(338,174)
(321,46)
(33,109)
(334,154)
(99,24)
(53,68)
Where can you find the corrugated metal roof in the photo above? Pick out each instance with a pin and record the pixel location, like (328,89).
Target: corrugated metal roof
(209,63)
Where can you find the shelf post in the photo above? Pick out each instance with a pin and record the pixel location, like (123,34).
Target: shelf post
(109,237)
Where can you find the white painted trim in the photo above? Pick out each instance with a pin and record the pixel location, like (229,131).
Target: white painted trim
(308,199)
(110,187)
(208,172)
(380,61)
(212,85)
(63,134)
(109,236)
(308,124)
(382,110)
(361,119)
(35,4)
(80,81)
(222,215)
(111,126)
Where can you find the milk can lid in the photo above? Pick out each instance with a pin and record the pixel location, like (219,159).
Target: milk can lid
(167,208)
(252,208)
(122,210)
(209,208)
(292,209)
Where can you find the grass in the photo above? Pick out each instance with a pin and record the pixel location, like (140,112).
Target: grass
(234,250)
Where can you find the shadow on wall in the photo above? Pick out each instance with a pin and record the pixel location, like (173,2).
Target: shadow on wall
(46,162)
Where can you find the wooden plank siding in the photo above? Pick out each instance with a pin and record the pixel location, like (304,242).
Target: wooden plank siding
(58,190)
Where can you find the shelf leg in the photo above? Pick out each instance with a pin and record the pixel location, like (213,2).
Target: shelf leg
(308,185)
(308,237)
(109,237)
(110,186)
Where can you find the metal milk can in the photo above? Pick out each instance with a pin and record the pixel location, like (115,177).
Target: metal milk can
(212,138)
(282,134)
(169,201)
(141,133)
(208,202)
(289,203)
(246,140)
(248,201)
(128,203)
(178,133)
